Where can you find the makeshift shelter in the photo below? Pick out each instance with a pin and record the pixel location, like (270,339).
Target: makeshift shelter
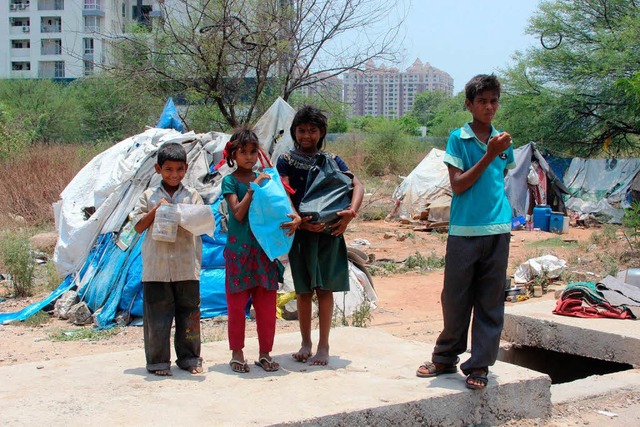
(601,188)
(428,183)
(98,253)
(517,187)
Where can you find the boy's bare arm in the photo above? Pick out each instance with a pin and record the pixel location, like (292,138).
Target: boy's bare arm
(462,181)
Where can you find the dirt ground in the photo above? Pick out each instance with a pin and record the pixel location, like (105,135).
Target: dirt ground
(408,305)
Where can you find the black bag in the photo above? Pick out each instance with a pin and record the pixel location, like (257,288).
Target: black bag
(328,191)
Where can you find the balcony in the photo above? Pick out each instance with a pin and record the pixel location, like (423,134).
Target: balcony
(50,4)
(53,28)
(20,53)
(19,6)
(92,8)
(20,74)
(51,50)
(15,30)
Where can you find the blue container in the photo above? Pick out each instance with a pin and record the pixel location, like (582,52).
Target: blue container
(556,222)
(542,217)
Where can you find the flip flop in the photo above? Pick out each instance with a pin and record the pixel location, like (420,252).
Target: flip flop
(244,366)
(433,371)
(480,377)
(267,365)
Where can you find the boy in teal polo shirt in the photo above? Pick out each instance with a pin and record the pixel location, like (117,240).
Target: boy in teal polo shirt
(478,157)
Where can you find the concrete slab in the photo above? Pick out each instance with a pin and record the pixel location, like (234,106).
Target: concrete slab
(370,381)
(595,385)
(534,324)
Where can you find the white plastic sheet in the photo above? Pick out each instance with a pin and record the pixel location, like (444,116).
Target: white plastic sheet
(545,266)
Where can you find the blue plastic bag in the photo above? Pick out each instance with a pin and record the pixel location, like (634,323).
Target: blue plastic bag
(170,119)
(268,210)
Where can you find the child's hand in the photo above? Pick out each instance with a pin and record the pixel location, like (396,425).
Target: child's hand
(498,143)
(292,225)
(162,201)
(311,226)
(263,176)
(345,218)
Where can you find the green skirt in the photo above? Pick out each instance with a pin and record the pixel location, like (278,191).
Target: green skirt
(319,260)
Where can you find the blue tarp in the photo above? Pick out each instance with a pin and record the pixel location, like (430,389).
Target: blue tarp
(32,309)
(169,119)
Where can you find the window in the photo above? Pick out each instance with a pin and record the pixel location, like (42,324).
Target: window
(59,69)
(88,68)
(88,46)
(21,66)
(20,44)
(51,47)
(92,4)
(91,24)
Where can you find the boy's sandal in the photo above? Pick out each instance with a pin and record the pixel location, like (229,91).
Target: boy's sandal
(479,377)
(240,366)
(429,369)
(269,365)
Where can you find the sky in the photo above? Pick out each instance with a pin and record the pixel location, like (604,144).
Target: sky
(467,37)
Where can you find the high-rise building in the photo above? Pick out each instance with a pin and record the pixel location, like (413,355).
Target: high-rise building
(64,39)
(389,92)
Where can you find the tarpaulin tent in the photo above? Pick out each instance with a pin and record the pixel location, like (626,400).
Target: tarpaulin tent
(427,182)
(599,187)
(516,181)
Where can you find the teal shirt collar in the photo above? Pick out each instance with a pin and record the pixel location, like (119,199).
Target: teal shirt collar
(467,133)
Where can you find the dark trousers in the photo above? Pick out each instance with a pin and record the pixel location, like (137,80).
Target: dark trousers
(164,301)
(474,280)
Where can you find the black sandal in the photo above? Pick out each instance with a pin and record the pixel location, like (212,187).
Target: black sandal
(477,376)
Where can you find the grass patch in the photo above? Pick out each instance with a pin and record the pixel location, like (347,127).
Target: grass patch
(554,242)
(83,334)
(38,319)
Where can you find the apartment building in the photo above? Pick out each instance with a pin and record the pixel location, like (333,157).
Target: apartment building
(64,39)
(389,92)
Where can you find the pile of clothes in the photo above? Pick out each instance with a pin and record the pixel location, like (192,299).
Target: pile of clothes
(609,298)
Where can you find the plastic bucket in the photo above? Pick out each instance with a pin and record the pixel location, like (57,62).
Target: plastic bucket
(541,217)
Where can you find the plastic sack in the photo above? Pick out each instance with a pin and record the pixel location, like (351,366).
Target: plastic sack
(170,119)
(268,210)
(196,219)
(328,191)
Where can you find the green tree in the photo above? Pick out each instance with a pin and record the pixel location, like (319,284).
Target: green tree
(113,109)
(450,114)
(426,104)
(389,148)
(45,108)
(578,92)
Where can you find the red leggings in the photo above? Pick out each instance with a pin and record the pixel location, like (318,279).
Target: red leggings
(264,303)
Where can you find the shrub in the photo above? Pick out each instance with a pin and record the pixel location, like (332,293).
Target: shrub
(17,260)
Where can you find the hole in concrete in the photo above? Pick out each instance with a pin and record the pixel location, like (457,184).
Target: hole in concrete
(561,367)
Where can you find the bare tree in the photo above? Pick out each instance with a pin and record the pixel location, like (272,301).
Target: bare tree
(238,55)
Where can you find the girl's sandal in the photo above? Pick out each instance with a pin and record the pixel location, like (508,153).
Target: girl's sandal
(239,366)
(269,365)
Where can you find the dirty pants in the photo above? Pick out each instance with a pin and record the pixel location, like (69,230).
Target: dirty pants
(474,281)
(164,301)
